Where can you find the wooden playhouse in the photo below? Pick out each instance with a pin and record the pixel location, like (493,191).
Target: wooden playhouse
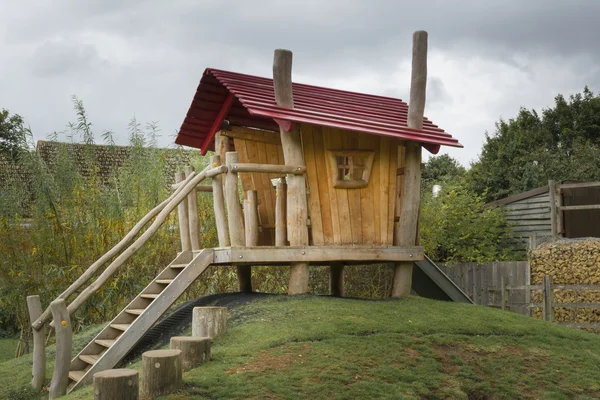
(329,177)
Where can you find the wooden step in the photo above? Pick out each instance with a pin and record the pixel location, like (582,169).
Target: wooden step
(120,327)
(90,359)
(178,266)
(164,281)
(135,311)
(76,375)
(148,296)
(105,343)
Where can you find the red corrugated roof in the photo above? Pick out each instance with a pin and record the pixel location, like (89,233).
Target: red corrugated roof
(250,101)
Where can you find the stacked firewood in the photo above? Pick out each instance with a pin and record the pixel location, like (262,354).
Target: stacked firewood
(568,263)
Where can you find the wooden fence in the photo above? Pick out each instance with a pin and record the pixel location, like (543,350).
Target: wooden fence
(483,283)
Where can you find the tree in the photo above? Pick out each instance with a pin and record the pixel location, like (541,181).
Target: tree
(12,134)
(441,169)
(525,152)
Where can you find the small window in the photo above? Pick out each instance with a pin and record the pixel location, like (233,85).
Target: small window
(350,169)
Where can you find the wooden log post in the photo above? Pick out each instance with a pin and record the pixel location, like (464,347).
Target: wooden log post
(209,321)
(407,228)
(38,371)
(194,350)
(64,346)
(547,298)
(219,205)
(236,220)
(192,205)
(182,212)
(280,215)
(291,143)
(553,210)
(161,371)
(336,279)
(113,384)
(251,218)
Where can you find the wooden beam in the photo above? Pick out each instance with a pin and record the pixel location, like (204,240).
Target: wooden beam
(255,135)
(578,185)
(236,220)
(291,143)
(280,214)
(219,205)
(192,205)
(270,168)
(251,217)
(408,227)
(575,208)
(553,210)
(182,212)
(64,345)
(217,122)
(38,370)
(315,254)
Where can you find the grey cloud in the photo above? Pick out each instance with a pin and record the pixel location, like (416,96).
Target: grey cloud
(60,58)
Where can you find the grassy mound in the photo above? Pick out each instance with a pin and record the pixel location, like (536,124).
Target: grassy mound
(322,348)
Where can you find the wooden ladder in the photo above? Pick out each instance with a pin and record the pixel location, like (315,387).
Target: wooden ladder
(126,329)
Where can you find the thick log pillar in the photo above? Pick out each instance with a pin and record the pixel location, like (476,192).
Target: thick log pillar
(209,321)
(182,212)
(407,229)
(219,205)
(280,220)
(236,220)
(64,346)
(38,371)
(251,217)
(194,350)
(297,207)
(161,371)
(192,205)
(336,279)
(116,384)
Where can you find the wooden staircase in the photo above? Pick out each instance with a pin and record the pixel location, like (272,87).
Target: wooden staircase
(126,329)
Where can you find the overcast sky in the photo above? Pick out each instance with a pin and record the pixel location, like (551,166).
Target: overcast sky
(145,58)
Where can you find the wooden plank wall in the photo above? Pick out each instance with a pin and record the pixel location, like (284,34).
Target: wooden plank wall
(350,216)
(482,282)
(260,147)
(530,217)
(581,223)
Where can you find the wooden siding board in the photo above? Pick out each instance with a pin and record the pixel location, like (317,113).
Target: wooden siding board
(366,197)
(314,202)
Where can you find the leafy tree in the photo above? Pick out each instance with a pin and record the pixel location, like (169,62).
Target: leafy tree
(440,169)
(456,227)
(12,134)
(525,152)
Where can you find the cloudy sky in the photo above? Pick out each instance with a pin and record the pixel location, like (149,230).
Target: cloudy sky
(128,58)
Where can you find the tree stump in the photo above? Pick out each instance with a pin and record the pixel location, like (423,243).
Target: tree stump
(161,370)
(116,384)
(194,350)
(209,321)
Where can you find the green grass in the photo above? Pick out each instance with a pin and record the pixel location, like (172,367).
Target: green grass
(327,348)
(8,347)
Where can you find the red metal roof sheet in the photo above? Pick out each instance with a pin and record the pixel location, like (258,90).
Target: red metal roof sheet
(253,105)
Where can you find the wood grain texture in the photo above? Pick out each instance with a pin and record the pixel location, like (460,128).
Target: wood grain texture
(38,370)
(64,345)
(251,217)
(280,215)
(219,205)
(183,215)
(162,374)
(193,220)
(116,384)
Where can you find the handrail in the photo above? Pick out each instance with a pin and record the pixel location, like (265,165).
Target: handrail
(177,198)
(46,315)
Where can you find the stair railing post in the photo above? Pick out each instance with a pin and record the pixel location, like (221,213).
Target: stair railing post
(192,205)
(547,298)
(182,212)
(64,346)
(251,218)
(38,371)
(219,205)
(236,219)
(280,217)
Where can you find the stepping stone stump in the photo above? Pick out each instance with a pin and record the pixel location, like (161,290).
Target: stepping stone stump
(116,384)
(161,371)
(194,350)
(209,321)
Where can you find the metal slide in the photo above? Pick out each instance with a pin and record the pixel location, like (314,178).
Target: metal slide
(428,280)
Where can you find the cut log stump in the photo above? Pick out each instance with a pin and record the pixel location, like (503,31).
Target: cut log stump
(116,384)
(161,370)
(194,350)
(209,321)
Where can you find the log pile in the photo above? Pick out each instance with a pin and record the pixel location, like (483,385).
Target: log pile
(568,263)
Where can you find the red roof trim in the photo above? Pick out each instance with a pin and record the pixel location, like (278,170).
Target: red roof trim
(252,103)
